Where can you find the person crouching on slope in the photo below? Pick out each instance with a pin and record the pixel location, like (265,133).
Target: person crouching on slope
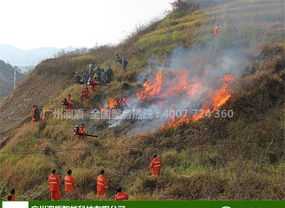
(102,186)
(121,196)
(54,185)
(82,132)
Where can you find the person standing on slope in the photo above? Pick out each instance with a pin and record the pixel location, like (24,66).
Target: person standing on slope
(54,185)
(35,114)
(69,183)
(155,166)
(101,185)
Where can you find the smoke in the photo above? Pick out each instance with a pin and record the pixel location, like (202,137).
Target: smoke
(244,27)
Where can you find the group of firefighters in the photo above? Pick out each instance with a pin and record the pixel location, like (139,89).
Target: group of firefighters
(80,131)
(95,75)
(54,184)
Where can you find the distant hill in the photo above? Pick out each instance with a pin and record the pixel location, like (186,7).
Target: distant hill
(7,78)
(24,58)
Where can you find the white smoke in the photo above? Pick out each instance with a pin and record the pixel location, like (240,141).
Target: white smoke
(245,26)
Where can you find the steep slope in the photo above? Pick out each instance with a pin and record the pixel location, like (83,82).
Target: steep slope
(241,157)
(48,79)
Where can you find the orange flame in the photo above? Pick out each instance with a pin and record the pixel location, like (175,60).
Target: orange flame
(178,84)
(218,98)
(151,88)
(113,103)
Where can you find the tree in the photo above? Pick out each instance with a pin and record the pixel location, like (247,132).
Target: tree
(183,5)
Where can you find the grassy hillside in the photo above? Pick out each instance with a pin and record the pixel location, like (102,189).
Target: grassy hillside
(237,158)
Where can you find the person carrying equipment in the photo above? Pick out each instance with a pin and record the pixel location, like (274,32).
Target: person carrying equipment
(101,185)
(69,182)
(81,132)
(155,166)
(121,196)
(12,195)
(54,185)
(85,94)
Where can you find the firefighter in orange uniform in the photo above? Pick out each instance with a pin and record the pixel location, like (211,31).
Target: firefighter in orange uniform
(69,182)
(121,196)
(12,195)
(155,166)
(101,185)
(82,131)
(54,185)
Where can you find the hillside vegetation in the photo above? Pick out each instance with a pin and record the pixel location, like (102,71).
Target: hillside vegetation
(230,158)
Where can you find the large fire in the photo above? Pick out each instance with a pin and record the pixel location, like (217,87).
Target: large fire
(179,89)
(151,88)
(175,84)
(171,84)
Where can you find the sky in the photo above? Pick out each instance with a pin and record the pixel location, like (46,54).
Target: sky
(29,24)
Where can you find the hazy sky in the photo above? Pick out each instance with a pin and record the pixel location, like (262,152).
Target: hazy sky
(77,23)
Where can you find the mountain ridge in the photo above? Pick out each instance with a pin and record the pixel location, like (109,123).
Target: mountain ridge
(27,57)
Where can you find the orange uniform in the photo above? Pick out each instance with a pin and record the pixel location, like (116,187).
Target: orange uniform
(155,166)
(120,196)
(53,184)
(82,131)
(101,186)
(69,184)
